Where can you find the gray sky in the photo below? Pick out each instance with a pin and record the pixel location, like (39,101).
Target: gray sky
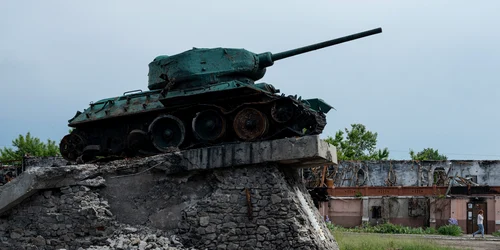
(429,80)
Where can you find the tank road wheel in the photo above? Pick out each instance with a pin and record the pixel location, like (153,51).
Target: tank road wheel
(167,131)
(282,111)
(209,125)
(72,146)
(137,140)
(250,124)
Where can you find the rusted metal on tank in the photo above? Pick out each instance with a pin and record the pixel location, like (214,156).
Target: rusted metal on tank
(250,124)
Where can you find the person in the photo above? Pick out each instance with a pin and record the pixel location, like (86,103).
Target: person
(479,223)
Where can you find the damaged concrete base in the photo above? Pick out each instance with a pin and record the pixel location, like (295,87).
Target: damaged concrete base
(256,202)
(74,218)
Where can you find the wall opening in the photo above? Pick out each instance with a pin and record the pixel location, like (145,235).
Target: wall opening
(376,212)
(361,177)
(440,177)
(417,207)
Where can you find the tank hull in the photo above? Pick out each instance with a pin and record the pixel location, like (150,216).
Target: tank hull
(154,122)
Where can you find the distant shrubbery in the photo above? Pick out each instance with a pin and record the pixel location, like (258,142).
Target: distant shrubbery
(389,228)
(450,230)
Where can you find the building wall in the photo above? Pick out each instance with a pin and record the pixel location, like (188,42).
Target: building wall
(409,173)
(400,210)
(491,212)
(441,211)
(459,212)
(351,212)
(497,213)
(429,179)
(344,212)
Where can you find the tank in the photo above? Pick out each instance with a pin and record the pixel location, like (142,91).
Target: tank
(197,98)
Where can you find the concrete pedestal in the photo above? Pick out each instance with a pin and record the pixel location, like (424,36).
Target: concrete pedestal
(237,196)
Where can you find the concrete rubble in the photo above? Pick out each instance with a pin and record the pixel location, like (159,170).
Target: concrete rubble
(237,196)
(75,218)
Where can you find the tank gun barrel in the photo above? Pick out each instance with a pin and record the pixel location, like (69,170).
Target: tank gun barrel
(293,52)
(305,49)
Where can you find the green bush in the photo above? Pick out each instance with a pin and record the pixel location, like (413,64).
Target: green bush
(453,230)
(430,230)
(387,228)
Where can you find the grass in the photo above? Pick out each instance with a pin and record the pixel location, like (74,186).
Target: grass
(375,242)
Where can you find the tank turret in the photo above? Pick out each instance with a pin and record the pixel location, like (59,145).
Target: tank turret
(198,67)
(198,98)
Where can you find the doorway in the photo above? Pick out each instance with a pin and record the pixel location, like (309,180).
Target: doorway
(472,210)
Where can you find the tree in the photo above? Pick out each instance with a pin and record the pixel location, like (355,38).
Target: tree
(28,145)
(428,154)
(359,144)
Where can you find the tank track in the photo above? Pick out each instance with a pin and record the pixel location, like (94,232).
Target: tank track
(195,126)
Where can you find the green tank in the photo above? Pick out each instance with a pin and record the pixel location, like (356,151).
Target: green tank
(197,98)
